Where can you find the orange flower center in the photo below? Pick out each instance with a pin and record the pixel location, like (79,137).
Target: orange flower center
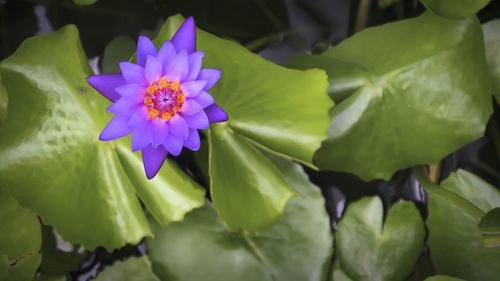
(164,99)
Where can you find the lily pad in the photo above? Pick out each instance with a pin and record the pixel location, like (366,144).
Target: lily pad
(20,240)
(491,31)
(455,9)
(297,246)
(281,110)
(455,240)
(370,249)
(53,163)
(401,93)
(132,269)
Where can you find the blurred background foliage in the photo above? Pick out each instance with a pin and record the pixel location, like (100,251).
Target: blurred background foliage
(390,222)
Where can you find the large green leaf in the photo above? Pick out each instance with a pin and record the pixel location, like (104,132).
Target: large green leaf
(403,96)
(491,31)
(454,237)
(296,247)
(53,163)
(490,228)
(20,240)
(246,186)
(132,269)
(369,249)
(455,9)
(278,109)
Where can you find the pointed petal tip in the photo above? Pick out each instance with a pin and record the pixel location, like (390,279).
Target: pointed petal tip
(153,159)
(216,114)
(185,37)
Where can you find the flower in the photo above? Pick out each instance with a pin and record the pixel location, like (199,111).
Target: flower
(162,100)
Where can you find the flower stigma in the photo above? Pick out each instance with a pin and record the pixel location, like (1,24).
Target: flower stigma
(163,99)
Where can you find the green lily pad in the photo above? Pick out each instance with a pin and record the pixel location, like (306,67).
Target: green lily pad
(132,269)
(281,110)
(455,9)
(369,249)
(117,50)
(491,31)
(20,240)
(401,93)
(455,240)
(53,163)
(490,228)
(297,246)
(237,197)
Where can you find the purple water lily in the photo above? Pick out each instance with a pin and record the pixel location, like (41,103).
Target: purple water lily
(162,100)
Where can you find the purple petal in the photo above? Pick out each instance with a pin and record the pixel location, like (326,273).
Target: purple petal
(153,69)
(106,84)
(166,53)
(173,145)
(116,128)
(159,131)
(193,88)
(177,68)
(185,37)
(145,48)
(216,114)
(195,61)
(132,73)
(133,92)
(153,159)
(193,141)
(124,106)
(211,75)
(204,99)
(197,121)
(190,107)
(178,127)
(140,118)
(141,137)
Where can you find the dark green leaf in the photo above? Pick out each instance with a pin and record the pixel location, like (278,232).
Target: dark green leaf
(20,240)
(454,237)
(490,228)
(369,249)
(386,3)
(132,269)
(296,247)
(455,9)
(119,49)
(84,2)
(52,160)
(403,96)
